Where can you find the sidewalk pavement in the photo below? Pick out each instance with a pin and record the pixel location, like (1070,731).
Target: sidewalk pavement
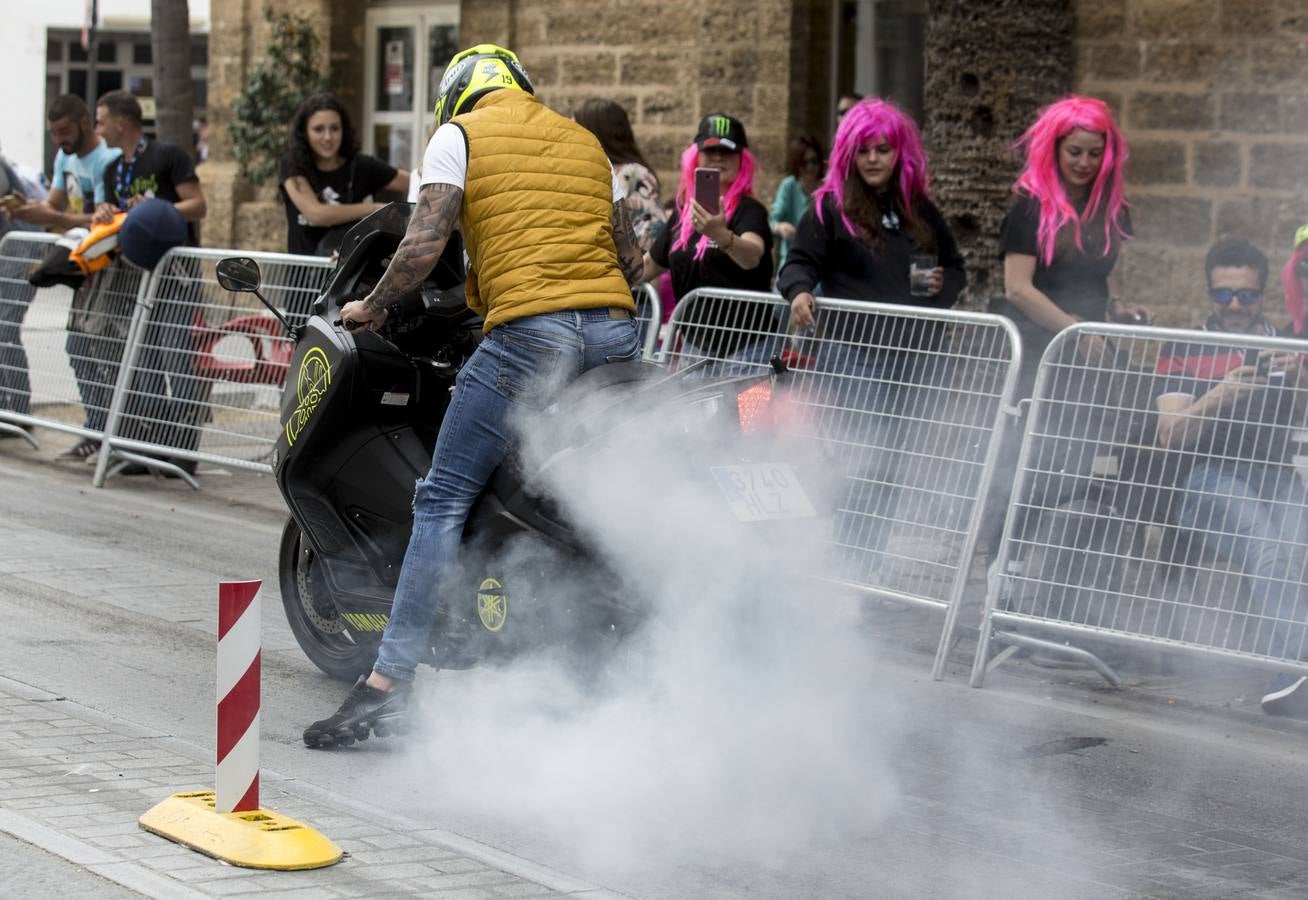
(73,782)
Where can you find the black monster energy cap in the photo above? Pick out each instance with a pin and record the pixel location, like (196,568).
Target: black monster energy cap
(725,132)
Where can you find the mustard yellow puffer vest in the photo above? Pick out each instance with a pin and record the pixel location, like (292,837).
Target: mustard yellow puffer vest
(537,215)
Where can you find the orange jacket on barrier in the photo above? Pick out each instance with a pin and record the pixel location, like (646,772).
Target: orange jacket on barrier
(100,247)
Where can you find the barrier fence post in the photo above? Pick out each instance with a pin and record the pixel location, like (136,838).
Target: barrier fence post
(228,823)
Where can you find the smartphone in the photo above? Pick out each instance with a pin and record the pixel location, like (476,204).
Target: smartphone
(1265,370)
(708,189)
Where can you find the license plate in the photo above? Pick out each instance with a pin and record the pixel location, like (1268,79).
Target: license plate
(761,491)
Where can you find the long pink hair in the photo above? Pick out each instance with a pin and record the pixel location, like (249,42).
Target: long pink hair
(1040,179)
(865,122)
(1293,293)
(743,186)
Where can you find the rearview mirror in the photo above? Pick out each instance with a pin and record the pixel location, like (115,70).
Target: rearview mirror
(239,274)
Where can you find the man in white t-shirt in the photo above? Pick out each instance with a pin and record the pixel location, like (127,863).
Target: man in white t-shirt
(552,257)
(78,183)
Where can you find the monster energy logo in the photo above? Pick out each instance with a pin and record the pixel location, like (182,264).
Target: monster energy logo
(721,126)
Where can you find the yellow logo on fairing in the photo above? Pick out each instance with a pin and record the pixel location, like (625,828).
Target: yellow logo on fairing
(492,605)
(310,385)
(366,621)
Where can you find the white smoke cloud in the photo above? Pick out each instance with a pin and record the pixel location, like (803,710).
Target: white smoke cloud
(737,721)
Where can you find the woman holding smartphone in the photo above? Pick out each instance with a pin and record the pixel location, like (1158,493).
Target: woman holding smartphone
(874,235)
(718,236)
(1061,238)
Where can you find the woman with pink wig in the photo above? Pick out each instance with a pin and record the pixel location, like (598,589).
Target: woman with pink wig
(1294,280)
(1061,238)
(872,214)
(731,248)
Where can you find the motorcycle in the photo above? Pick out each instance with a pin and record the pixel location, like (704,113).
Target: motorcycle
(360,414)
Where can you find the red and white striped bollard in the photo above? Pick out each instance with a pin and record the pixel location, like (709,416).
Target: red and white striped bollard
(237,780)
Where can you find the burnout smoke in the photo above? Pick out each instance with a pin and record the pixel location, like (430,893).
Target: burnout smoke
(739,720)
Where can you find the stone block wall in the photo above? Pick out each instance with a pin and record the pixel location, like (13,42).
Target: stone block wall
(668,62)
(1213,98)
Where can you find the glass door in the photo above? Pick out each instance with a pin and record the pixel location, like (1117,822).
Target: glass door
(407,50)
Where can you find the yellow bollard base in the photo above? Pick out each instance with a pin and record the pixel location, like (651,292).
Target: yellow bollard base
(258,839)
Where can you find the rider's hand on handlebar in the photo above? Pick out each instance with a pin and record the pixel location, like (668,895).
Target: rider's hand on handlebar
(358,314)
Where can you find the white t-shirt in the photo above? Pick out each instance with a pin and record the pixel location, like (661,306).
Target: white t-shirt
(446,162)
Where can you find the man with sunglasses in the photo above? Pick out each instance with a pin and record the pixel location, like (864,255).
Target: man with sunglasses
(1231,413)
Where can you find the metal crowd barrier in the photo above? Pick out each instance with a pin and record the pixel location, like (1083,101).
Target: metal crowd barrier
(202,377)
(59,347)
(910,402)
(649,318)
(1126,529)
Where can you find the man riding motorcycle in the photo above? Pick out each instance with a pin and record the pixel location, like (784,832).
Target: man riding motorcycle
(552,255)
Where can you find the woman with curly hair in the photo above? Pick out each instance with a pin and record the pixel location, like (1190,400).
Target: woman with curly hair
(871,217)
(1061,238)
(325,180)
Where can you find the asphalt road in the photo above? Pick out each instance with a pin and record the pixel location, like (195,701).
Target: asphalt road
(799,756)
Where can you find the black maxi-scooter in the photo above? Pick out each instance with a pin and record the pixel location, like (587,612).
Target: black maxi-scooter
(360,413)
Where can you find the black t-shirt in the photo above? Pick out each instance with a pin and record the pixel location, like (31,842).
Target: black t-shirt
(1076,280)
(1249,434)
(357,179)
(154,172)
(847,267)
(717,269)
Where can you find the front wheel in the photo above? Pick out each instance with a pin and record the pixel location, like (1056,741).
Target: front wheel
(314,619)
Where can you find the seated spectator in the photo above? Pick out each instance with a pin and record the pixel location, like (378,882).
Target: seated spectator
(326,181)
(731,248)
(1242,501)
(794,195)
(608,121)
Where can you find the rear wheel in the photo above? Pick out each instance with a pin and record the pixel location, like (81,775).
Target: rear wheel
(312,614)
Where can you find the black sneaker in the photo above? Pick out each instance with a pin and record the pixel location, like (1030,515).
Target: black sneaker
(366,708)
(82,450)
(1287,696)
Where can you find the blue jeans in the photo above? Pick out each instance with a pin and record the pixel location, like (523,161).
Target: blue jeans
(516,368)
(1256,520)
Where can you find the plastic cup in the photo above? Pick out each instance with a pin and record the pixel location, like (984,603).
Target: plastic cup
(920,266)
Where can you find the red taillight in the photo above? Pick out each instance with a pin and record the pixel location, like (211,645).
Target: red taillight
(754,405)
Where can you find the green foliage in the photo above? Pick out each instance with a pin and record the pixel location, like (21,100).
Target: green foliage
(262,113)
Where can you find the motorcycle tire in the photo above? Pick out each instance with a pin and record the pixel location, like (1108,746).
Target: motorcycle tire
(316,623)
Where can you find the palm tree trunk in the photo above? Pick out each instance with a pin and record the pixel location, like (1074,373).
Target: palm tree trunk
(990,64)
(174,94)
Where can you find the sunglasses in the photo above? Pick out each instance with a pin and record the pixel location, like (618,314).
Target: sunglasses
(813,162)
(1224,296)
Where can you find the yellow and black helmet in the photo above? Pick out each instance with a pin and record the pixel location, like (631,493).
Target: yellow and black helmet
(474,72)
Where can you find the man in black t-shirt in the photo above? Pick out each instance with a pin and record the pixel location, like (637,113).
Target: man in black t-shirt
(166,379)
(1236,413)
(146,168)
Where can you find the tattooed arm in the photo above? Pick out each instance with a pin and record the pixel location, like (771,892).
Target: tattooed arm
(429,230)
(624,239)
